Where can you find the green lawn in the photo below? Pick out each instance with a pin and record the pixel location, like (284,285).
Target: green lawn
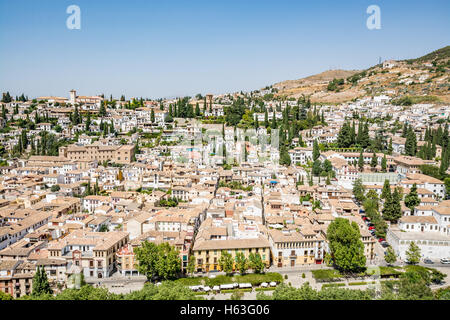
(326,275)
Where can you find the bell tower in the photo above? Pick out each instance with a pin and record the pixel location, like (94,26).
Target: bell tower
(73,95)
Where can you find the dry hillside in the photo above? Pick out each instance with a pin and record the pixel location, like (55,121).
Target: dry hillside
(424,79)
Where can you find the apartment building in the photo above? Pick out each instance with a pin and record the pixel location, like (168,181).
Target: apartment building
(207,253)
(291,248)
(92,253)
(13,280)
(117,154)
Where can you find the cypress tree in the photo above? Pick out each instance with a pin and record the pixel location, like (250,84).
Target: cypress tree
(412,199)
(152,116)
(316,151)
(390,149)
(374,161)
(266,118)
(361,161)
(384,164)
(274,120)
(386,192)
(197,110)
(411,143)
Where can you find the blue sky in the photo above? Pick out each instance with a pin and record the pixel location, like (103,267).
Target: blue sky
(172,48)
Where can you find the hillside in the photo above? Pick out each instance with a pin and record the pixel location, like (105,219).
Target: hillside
(424,76)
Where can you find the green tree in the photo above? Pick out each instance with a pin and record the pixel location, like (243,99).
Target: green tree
(191,265)
(384,164)
(158,261)
(390,148)
(266,119)
(226,262)
(413,253)
(412,199)
(390,256)
(359,190)
(411,143)
(274,120)
(197,110)
(237,295)
(374,161)
(55,188)
(169,262)
(316,151)
(152,116)
(241,263)
(102,110)
(386,191)
(396,209)
(5,296)
(361,161)
(444,163)
(316,168)
(41,285)
(413,286)
(344,139)
(256,263)
(346,247)
(447,187)
(285,159)
(88,122)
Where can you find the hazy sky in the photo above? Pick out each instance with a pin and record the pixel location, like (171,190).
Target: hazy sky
(172,48)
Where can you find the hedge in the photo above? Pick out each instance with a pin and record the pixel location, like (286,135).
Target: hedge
(254,278)
(326,275)
(332,285)
(361,283)
(235,290)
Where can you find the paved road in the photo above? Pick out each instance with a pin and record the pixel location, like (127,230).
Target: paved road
(119,284)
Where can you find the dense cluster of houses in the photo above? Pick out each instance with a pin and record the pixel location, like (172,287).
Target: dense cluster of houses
(76,213)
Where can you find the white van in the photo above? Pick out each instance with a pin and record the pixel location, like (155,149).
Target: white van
(445,261)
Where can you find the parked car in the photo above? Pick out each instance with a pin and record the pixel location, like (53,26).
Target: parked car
(445,260)
(384,244)
(371,228)
(427,261)
(381,239)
